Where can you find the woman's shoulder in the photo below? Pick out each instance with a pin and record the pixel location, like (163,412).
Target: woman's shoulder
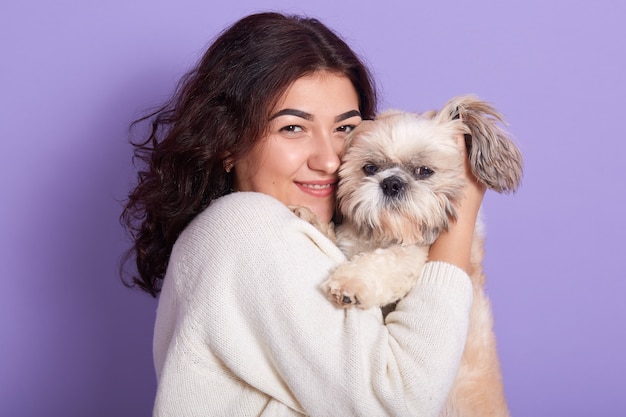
(246,204)
(243,212)
(247,228)
(253,217)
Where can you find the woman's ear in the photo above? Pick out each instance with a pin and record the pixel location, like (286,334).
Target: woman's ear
(228,163)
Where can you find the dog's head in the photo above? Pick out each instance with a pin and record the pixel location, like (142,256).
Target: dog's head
(400,177)
(401,174)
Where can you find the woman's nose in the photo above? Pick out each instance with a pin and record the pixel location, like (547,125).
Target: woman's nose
(325,155)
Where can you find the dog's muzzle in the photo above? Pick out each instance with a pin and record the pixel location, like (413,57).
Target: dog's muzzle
(393,186)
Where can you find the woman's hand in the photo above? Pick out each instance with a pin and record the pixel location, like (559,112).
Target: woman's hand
(454,245)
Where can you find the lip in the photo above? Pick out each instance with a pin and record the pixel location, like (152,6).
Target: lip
(318,188)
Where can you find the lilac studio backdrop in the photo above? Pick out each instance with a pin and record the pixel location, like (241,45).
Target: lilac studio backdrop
(74,74)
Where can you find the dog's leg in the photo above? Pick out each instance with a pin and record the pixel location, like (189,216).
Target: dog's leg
(376,278)
(478,390)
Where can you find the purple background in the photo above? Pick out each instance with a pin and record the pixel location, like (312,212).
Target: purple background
(73,74)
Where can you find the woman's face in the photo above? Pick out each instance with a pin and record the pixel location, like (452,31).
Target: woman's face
(297,161)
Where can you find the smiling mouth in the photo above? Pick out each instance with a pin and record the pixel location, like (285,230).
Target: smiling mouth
(318,190)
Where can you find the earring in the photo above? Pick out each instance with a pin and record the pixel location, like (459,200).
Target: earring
(228,165)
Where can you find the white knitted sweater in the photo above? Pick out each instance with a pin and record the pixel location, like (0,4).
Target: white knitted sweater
(242,328)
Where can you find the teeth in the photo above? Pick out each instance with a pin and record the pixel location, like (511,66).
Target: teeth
(317,186)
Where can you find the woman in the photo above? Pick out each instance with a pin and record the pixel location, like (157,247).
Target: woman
(242,327)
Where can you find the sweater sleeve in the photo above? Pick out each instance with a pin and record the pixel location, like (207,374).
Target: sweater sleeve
(242,296)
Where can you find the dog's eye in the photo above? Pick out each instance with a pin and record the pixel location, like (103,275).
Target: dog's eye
(423,172)
(370,169)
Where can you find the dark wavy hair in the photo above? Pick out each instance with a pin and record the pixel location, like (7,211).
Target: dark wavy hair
(220,109)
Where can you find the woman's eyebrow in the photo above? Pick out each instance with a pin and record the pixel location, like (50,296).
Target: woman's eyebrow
(347,115)
(292,112)
(308,116)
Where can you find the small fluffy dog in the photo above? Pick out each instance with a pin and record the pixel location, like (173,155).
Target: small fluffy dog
(399,182)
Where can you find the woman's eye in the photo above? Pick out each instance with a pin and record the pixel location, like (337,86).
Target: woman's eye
(346,128)
(423,172)
(292,129)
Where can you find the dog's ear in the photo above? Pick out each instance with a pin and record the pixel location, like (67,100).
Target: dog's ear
(495,159)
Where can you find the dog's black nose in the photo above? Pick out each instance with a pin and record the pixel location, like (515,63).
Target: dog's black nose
(392,186)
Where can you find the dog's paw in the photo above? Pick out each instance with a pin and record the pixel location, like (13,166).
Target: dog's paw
(328,229)
(304,213)
(343,296)
(347,290)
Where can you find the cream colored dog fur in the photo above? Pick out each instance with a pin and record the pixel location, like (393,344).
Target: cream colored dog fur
(400,180)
